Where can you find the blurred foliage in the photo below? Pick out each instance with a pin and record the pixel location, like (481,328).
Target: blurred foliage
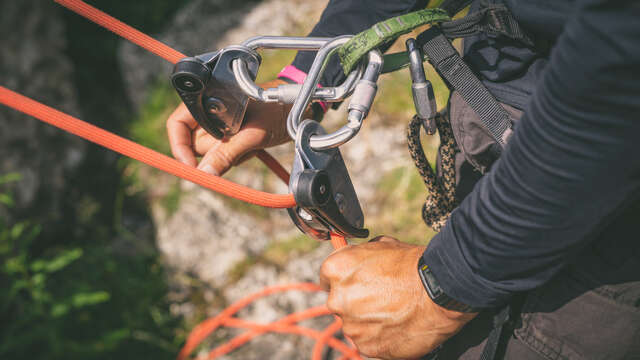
(79,299)
(148,126)
(401,196)
(272,63)
(282,251)
(89,284)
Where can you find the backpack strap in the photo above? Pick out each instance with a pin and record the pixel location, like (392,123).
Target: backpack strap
(449,64)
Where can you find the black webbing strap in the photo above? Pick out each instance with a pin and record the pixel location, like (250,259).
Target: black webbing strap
(496,334)
(504,322)
(446,60)
(491,19)
(453,7)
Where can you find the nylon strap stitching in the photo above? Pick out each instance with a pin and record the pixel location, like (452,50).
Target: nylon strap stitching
(446,60)
(352,51)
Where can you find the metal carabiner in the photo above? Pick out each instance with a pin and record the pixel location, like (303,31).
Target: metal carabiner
(359,106)
(287,93)
(325,197)
(423,96)
(361,101)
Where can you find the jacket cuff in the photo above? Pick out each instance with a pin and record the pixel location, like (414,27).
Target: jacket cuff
(457,279)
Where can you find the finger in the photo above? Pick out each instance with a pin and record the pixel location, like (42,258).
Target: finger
(334,304)
(179,127)
(388,239)
(376,239)
(223,155)
(202,141)
(325,280)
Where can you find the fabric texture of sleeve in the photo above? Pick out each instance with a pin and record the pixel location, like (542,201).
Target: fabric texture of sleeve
(349,17)
(570,166)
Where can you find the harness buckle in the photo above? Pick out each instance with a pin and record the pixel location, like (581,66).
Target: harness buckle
(326,199)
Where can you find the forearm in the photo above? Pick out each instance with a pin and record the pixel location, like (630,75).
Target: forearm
(567,169)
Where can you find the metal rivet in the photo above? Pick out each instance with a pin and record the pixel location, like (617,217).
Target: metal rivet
(304,215)
(340,201)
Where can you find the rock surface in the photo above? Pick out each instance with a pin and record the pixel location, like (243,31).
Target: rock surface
(33,62)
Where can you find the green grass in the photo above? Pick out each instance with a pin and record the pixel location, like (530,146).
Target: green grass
(401,195)
(272,63)
(148,126)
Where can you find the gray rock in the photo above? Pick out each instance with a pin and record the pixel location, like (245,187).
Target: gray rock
(33,63)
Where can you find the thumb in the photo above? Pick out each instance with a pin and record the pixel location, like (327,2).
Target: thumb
(222,156)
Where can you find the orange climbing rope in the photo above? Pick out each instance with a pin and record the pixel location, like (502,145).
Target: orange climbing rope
(144,154)
(288,324)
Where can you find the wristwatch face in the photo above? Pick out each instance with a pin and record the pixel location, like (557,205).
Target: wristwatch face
(432,286)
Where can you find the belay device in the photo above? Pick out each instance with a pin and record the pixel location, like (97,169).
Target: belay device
(207,87)
(216,88)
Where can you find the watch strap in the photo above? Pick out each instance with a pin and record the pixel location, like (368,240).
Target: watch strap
(436,293)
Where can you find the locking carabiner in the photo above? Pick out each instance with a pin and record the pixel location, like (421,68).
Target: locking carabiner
(361,101)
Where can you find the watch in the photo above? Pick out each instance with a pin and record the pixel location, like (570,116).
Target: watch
(437,294)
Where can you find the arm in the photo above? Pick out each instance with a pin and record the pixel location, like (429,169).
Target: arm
(568,169)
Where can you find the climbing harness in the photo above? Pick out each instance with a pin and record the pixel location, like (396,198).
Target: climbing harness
(217,86)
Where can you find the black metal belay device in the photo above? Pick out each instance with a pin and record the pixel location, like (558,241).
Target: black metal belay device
(216,88)
(207,87)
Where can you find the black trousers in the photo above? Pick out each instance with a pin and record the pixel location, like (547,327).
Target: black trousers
(590,310)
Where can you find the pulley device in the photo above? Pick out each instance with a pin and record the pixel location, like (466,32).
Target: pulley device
(216,88)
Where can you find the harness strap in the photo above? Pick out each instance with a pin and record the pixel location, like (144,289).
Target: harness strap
(385,31)
(504,322)
(448,63)
(453,7)
(492,19)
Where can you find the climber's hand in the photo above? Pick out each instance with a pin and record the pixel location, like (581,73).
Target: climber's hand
(376,290)
(264,126)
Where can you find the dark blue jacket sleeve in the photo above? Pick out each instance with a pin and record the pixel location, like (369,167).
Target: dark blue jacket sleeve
(349,17)
(570,166)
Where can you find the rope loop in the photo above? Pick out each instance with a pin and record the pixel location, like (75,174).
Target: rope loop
(441,198)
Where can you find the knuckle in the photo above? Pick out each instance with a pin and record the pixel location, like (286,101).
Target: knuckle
(221,158)
(328,268)
(333,304)
(367,349)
